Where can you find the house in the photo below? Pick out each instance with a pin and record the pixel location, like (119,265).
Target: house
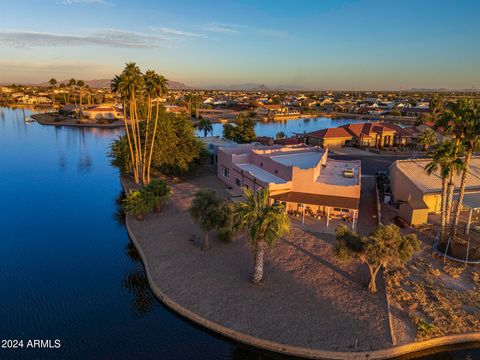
(418,193)
(176,109)
(376,134)
(329,138)
(373,134)
(102,112)
(299,177)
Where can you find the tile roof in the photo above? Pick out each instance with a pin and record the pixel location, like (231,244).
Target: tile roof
(330,133)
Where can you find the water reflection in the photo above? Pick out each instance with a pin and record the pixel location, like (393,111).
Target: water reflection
(137,283)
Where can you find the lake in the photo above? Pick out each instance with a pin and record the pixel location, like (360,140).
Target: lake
(68,270)
(289,127)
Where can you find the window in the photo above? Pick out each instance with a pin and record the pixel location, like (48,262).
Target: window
(238,182)
(225,172)
(276,171)
(246,186)
(261,164)
(341,210)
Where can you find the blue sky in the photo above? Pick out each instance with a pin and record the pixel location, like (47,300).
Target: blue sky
(318,44)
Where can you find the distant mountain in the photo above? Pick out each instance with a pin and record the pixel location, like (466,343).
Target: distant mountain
(105,83)
(252,87)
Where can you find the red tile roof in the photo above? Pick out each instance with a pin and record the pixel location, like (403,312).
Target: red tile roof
(330,133)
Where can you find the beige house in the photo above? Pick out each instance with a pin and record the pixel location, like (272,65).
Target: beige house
(419,193)
(102,112)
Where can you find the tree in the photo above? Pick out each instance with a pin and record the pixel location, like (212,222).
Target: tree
(241,131)
(443,162)
(427,138)
(205,211)
(80,84)
(205,126)
(280,135)
(155,86)
(71,84)
(52,83)
(436,105)
(159,192)
(385,246)
(470,133)
(137,203)
(265,223)
(452,121)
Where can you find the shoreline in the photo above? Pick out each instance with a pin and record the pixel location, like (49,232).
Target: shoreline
(284,348)
(44,119)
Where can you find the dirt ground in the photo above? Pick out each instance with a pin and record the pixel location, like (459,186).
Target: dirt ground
(430,298)
(308,298)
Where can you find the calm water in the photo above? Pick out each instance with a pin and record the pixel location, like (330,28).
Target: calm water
(289,127)
(67,268)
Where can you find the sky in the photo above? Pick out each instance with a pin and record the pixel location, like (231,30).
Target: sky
(312,44)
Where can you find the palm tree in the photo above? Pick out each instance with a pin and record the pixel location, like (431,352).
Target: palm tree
(427,138)
(129,84)
(265,223)
(436,105)
(470,134)
(155,86)
(71,84)
(452,120)
(52,83)
(443,162)
(205,126)
(80,85)
(206,211)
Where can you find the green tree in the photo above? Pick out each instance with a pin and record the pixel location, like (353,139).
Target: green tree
(137,203)
(443,162)
(205,211)
(385,246)
(80,84)
(52,83)
(436,105)
(205,126)
(159,192)
(451,120)
(241,131)
(280,135)
(71,86)
(225,227)
(427,138)
(265,223)
(120,155)
(470,132)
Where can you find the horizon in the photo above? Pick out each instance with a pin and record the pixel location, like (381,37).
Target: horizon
(342,45)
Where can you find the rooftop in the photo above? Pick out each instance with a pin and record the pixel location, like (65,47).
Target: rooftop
(333,173)
(261,174)
(304,160)
(414,169)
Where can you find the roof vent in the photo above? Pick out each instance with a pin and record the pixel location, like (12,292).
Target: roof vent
(348,173)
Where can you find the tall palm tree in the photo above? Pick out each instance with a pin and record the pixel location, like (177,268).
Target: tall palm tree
(470,134)
(155,86)
(427,138)
(452,121)
(52,83)
(206,126)
(264,222)
(443,162)
(71,84)
(80,84)
(130,85)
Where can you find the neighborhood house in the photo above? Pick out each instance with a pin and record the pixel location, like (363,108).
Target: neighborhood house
(300,177)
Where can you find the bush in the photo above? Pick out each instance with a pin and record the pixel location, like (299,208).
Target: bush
(137,203)
(158,192)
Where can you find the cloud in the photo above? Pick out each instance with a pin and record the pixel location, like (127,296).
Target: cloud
(86,2)
(109,37)
(175,32)
(237,29)
(53,67)
(226,29)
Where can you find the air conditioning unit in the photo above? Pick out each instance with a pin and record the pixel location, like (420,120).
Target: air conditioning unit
(349,173)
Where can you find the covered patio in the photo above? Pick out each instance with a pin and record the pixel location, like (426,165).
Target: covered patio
(319,207)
